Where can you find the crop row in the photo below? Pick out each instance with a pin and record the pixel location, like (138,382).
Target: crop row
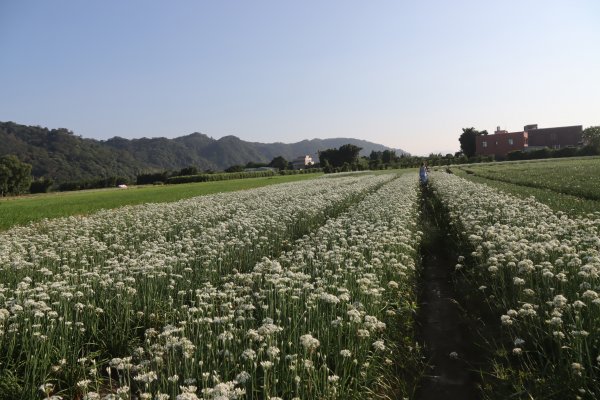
(80,294)
(87,288)
(328,318)
(579,178)
(538,273)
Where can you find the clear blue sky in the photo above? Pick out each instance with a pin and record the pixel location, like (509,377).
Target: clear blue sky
(407,74)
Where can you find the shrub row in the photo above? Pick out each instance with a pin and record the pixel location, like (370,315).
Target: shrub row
(235,175)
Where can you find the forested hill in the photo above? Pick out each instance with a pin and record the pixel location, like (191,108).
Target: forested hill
(64,156)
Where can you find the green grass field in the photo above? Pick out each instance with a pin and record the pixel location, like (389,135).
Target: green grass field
(24,209)
(577,177)
(568,185)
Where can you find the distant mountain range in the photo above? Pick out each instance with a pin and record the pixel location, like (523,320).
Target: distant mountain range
(64,156)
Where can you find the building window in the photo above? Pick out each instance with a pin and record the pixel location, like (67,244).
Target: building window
(511,142)
(484,144)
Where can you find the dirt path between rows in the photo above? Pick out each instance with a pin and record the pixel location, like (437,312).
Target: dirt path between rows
(440,326)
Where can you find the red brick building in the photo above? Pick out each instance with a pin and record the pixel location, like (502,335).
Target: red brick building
(554,138)
(502,142)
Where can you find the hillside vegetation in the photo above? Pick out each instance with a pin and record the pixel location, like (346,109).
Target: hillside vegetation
(63,156)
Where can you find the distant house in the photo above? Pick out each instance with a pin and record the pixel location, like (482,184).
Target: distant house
(302,162)
(554,138)
(530,138)
(500,143)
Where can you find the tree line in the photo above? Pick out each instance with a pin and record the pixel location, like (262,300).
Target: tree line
(16,175)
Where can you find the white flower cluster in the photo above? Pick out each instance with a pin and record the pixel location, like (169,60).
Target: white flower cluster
(541,267)
(197,267)
(267,311)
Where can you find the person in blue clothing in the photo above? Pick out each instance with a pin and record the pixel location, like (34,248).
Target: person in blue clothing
(423,176)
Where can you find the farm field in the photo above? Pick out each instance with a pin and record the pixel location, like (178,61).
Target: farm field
(576,177)
(569,204)
(529,278)
(26,209)
(302,290)
(307,289)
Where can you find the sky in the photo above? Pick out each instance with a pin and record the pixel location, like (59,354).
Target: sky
(406,74)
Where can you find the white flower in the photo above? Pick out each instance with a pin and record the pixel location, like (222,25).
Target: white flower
(560,301)
(363,333)
(590,295)
(248,354)
(578,304)
(329,298)
(266,364)
(518,281)
(242,377)
(147,377)
(84,383)
(517,351)
(347,353)
(378,345)
(577,368)
(273,352)
(309,342)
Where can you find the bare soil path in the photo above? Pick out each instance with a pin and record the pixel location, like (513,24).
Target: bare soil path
(441,327)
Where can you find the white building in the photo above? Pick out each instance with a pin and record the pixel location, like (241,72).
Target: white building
(302,162)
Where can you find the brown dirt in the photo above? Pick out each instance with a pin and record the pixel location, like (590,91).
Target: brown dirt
(442,329)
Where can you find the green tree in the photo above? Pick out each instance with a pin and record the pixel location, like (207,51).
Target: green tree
(41,185)
(252,164)
(346,154)
(467,140)
(15,176)
(191,170)
(349,154)
(389,157)
(279,162)
(329,157)
(375,159)
(235,168)
(5,177)
(591,136)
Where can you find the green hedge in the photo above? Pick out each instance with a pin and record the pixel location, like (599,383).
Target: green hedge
(235,175)
(300,171)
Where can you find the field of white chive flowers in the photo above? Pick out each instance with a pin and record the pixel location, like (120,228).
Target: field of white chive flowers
(538,275)
(303,290)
